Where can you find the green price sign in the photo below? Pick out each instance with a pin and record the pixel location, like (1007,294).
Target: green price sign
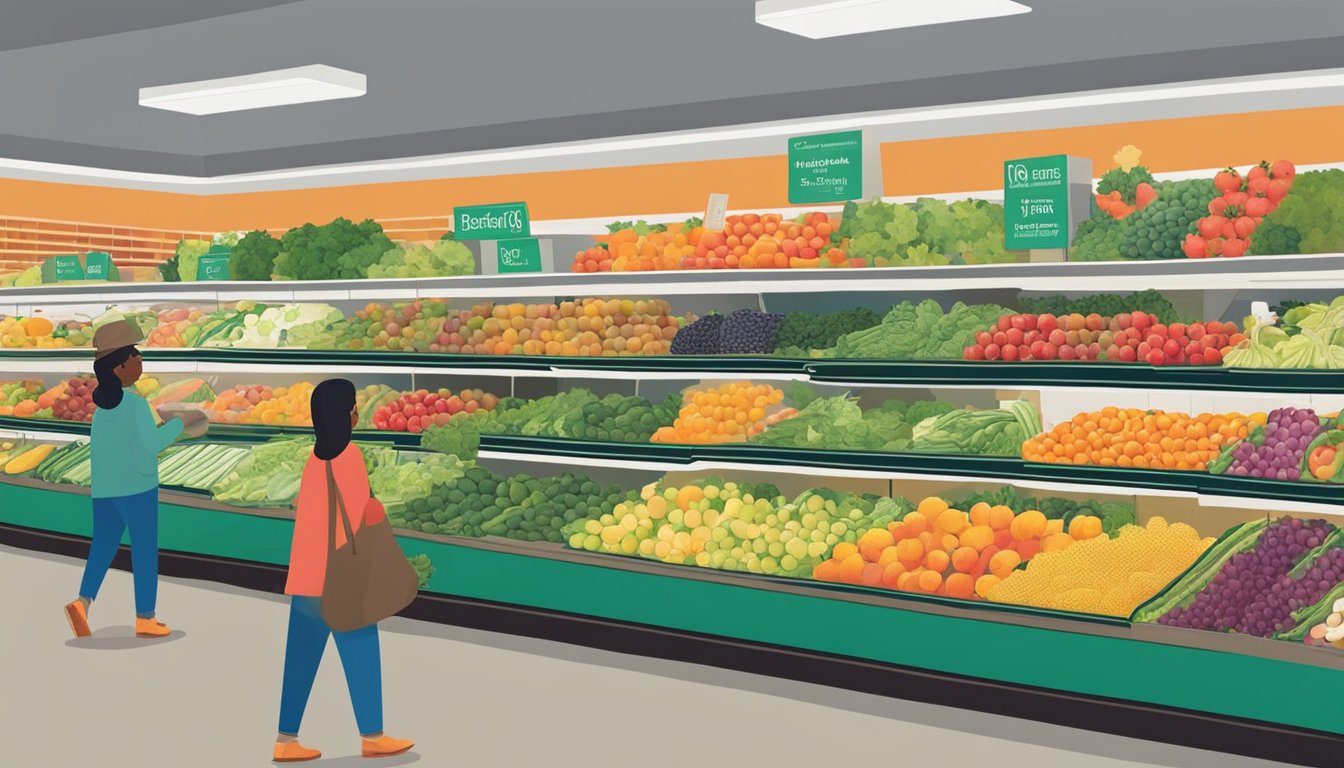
(98,266)
(826,168)
(213,267)
(491,222)
(67,268)
(1036,203)
(521,255)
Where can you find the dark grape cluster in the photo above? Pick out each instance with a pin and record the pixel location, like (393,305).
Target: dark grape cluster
(1272,612)
(1248,578)
(699,338)
(1288,432)
(749,332)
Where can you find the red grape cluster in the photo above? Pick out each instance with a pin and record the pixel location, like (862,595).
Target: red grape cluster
(1288,432)
(76,403)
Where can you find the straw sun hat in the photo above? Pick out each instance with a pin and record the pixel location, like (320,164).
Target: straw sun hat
(115,335)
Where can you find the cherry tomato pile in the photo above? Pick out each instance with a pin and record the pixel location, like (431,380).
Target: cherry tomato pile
(1237,211)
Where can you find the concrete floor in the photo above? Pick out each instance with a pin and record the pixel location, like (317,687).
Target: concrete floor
(208,696)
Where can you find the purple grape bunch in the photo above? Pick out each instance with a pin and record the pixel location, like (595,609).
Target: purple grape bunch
(1288,432)
(1271,612)
(1249,594)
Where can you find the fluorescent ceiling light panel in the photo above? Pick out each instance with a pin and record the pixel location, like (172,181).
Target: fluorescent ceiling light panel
(299,85)
(820,19)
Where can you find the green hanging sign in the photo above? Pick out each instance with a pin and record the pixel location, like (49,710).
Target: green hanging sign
(500,221)
(98,266)
(826,168)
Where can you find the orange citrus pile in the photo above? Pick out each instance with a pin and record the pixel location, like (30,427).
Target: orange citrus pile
(626,251)
(939,550)
(1131,437)
(729,413)
(264,405)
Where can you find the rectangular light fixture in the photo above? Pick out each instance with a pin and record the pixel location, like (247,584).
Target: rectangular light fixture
(299,85)
(820,19)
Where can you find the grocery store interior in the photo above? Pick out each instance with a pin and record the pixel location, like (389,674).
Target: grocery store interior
(938,381)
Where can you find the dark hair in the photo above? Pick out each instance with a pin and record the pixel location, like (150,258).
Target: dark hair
(107,394)
(331,404)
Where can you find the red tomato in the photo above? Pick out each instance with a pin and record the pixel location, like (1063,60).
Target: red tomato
(1010,353)
(1244,226)
(397,422)
(1256,173)
(1211,226)
(1234,247)
(1260,206)
(1212,356)
(1282,169)
(1194,247)
(974,352)
(1227,181)
(408,410)
(1276,191)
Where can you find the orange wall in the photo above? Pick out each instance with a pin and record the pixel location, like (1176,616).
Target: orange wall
(1304,136)
(964,163)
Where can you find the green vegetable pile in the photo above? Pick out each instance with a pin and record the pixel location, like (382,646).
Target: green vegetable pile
(576,414)
(182,266)
(919,332)
(998,432)
(442,259)
(253,258)
(927,232)
(1157,231)
(1099,238)
(341,250)
(1126,182)
(837,423)
(268,477)
(481,503)
(802,332)
(1308,220)
(1104,304)
(413,476)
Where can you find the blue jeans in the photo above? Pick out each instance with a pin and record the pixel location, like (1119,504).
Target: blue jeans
(112,517)
(303,652)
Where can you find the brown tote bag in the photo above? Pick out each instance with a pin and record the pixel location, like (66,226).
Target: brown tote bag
(368,578)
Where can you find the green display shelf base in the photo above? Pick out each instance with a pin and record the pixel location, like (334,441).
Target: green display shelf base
(1099,662)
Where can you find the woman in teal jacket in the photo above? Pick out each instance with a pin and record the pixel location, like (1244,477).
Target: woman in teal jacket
(125,443)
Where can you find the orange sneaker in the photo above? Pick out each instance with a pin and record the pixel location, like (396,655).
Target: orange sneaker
(151,628)
(78,618)
(293,752)
(386,746)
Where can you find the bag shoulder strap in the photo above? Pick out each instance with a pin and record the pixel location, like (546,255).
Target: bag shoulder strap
(335,504)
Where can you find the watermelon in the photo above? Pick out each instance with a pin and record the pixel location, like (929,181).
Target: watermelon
(185,391)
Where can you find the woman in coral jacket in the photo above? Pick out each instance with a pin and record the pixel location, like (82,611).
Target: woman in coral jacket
(334,418)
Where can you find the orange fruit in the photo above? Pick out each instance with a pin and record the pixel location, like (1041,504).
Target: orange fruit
(951,521)
(891,575)
(980,514)
(937,560)
(961,586)
(986,583)
(977,537)
(872,575)
(851,569)
(1056,542)
(827,570)
(931,507)
(888,556)
(1000,517)
(916,523)
(965,558)
(1002,564)
(929,581)
(910,553)
(1031,524)
(873,542)
(843,550)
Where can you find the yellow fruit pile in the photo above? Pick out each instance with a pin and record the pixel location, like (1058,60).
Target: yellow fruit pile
(1110,576)
(288,405)
(729,413)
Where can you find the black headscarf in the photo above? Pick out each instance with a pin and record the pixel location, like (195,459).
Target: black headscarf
(331,403)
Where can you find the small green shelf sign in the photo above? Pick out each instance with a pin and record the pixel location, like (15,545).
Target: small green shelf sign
(213,267)
(519,255)
(98,266)
(500,221)
(67,267)
(826,168)
(1044,200)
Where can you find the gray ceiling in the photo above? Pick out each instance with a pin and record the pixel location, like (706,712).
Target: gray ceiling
(459,76)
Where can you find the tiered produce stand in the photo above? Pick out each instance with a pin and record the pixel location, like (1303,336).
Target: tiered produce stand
(877,522)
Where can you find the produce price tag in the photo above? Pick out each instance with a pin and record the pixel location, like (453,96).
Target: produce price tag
(500,221)
(1041,201)
(521,255)
(213,267)
(62,268)
(98,266)
(826,168)
(716,210)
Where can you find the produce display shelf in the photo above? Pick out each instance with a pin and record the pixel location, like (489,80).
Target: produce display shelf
(1005,468)
(837,372)
(1175,689)
(1294,271)
(238,433)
